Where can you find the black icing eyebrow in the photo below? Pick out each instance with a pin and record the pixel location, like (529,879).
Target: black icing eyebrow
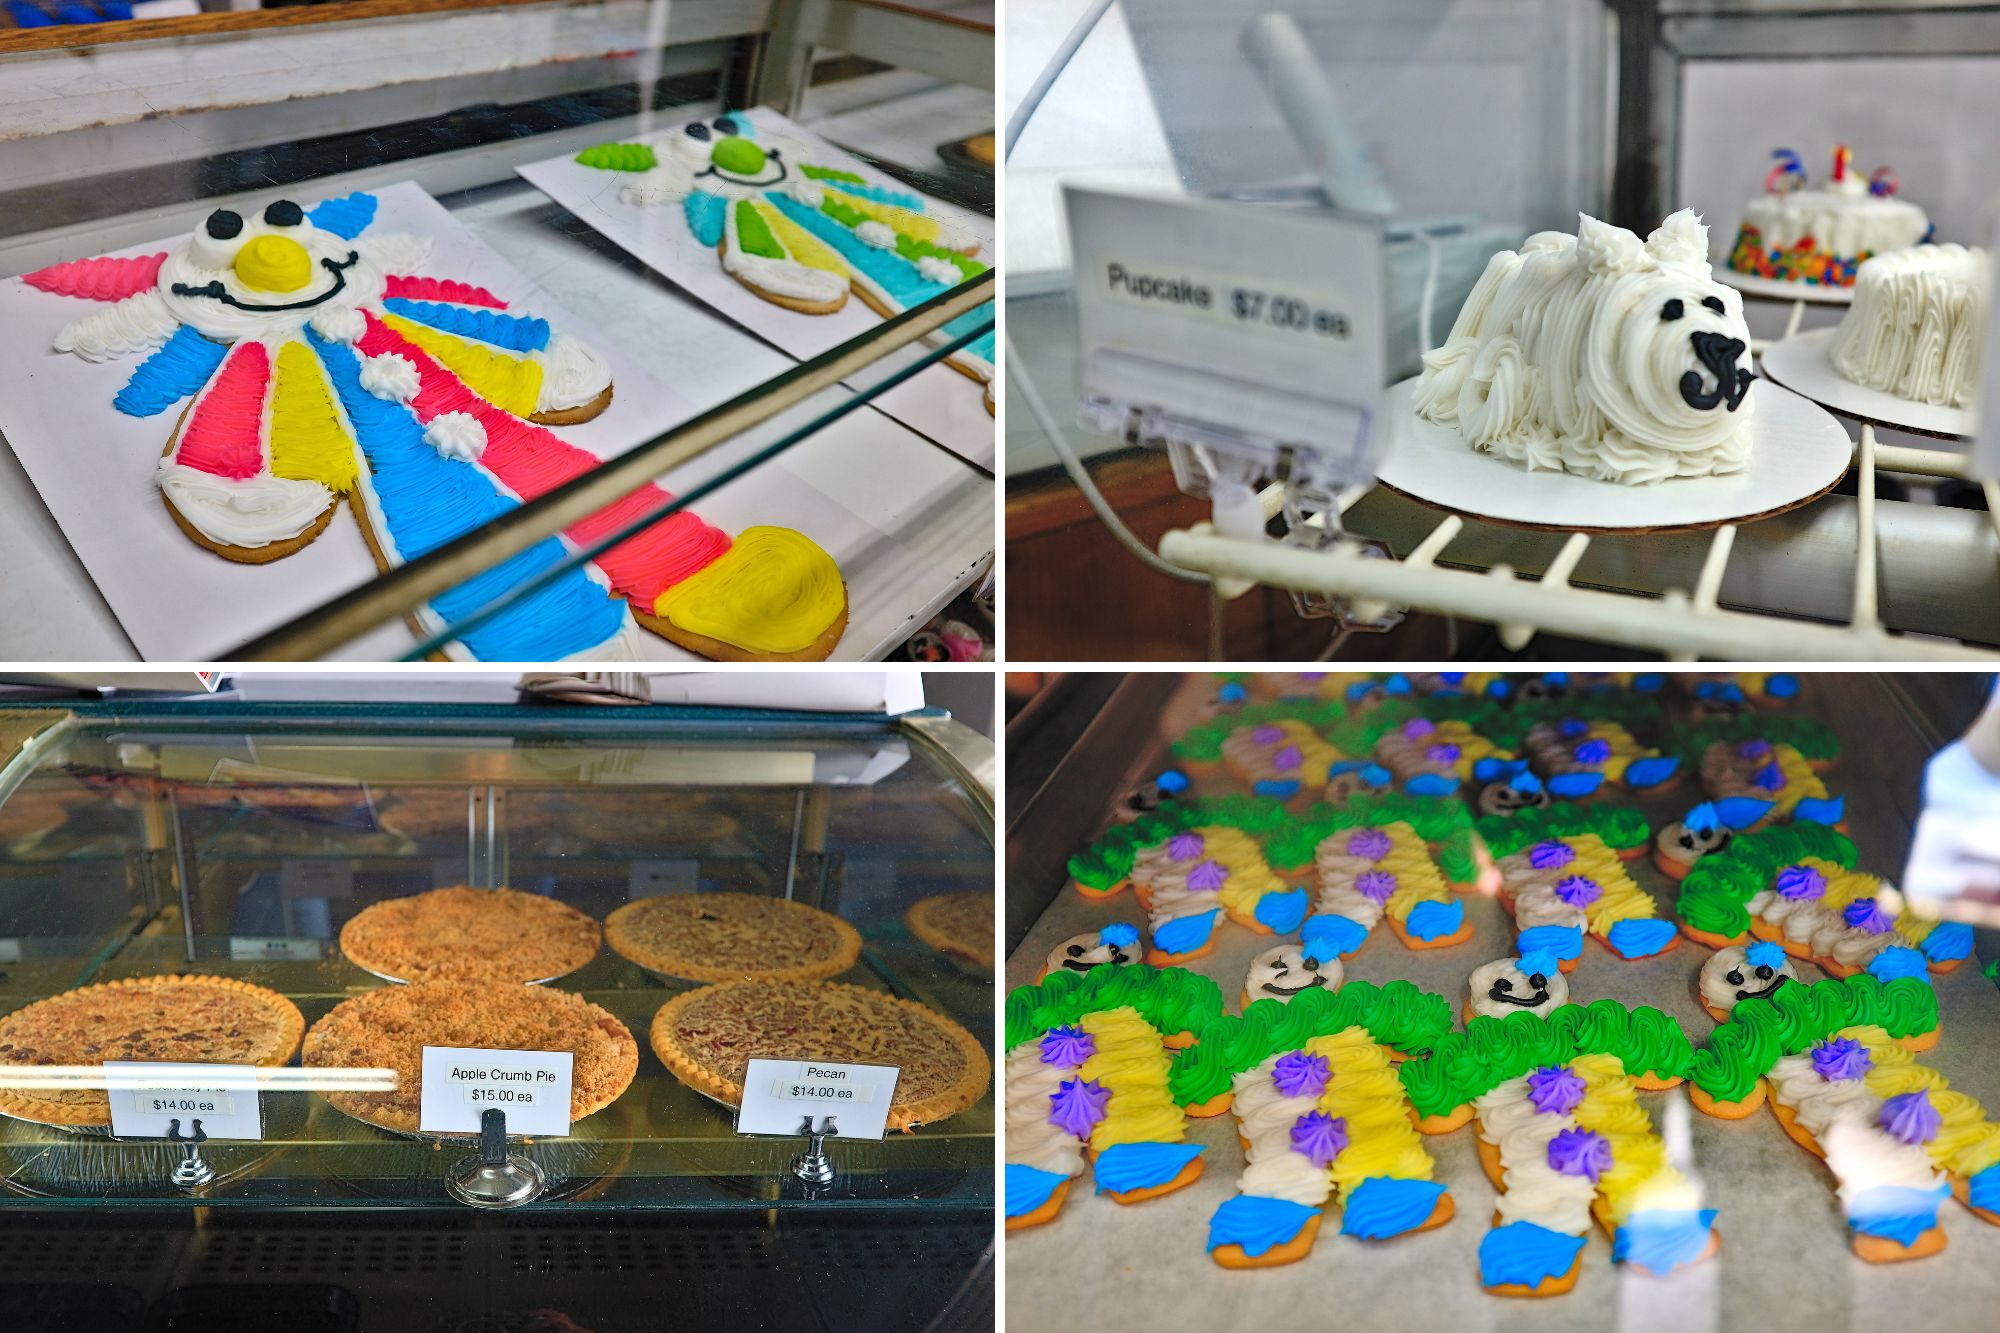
(1713,303)
(1672,310)
(224,225)
(697,130)
(284,213)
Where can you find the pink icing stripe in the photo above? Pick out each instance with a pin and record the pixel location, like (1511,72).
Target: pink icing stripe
(531,461)
(440,289)
(99,279)
(221,435)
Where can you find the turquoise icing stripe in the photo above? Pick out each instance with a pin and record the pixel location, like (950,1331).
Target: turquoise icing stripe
(1896,1212)
(181,365)
(981,347)
(880,194)
(1896,962)
(519,333)
(1185,934)
(1384,1206)
(706,216)
(1431,784)
(1430,920)
(888,270)
(428,499)
(1660,1240)
(1329,935)
(346,217)
(1257,1223)
(1028,1187)
(1124,1167)
(1650,772)
(1572,785)
(1982,1190)
(1282,912)
(1282,788)
(1640,937)
(1948,940)
(1741,811)
(1564,942)
(1522,1254)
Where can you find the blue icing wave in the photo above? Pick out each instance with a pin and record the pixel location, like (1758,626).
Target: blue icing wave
(1384,1206)
(1124,1167)
(1377,776)
(1431,784)
(1896,1212)
(428,499)
(1640,937)
(1783,685)
(520,333)
(1359,689)
(1028,1187)
(346,217)
(181,365)
(1564,942)
(1650,772)
(1649,682)
(1571,785)
(1429,920)
(1896,961)
(1982,1190)
(1185,934)
(1282,788)
(888,270)
(1257,1223)
(1232,693)
(1660,1240)
(706,216)
(1813,810)
(1522,1254)
(1283,912)
(1741,811)
(1948,940)
(881,195)
(1330,935)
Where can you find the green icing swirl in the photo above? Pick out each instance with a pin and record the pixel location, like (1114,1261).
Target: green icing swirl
(1436,819)
(1810,737)
(1466,1065)
(1358,735)
(1396,1014)
(1621,827)
(1204,743)
(1172,999)
(1202,1071)
(1713,895)
(618,157)
(1797,1016)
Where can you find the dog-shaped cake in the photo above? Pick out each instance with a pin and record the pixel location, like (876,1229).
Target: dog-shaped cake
(1602,355)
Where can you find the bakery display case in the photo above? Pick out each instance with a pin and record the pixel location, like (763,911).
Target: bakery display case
(1284,1002)
(214,879)
(664,375)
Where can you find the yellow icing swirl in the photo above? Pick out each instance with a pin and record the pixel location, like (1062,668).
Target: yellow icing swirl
(1250,876)
(1364,1090)
(274,264)
(1622,899)
(1132,1064)
(308,442)
(1843,886)
(772,591)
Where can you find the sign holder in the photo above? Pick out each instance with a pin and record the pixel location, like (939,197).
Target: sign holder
(494,1178)
(813,1165)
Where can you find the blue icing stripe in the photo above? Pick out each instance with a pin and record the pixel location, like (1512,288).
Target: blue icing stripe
(881,195)
(1359,689)
(1741,811)
(1650,772)
(1783,685)
(888,270)
(1430,920)
(1649,682)
(1522,1254)
(1660,1240)
(981,347)
(1896,962)
(1377,776)
(1283,912)
(428,499)
(1329,935)
(1185,934)
(706,215)
(1896,1212)
(520,333)
(346,217)
(1431,784)
(1830,811)
(1257,1223)
(1172,781)
(1283,788)
(1028,1187)
(1571,785)
(1948,940)
(1384,1206)
(1565,942)
(181,365)
(1640,937)
(1982,1190)
(1124,1167)
(1232,693)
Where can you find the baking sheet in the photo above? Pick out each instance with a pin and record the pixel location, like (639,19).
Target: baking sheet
(938,401)
(1784,1263)
(1803,363)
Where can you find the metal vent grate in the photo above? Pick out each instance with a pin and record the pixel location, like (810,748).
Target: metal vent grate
(943,1249)
(234,1254)
(41,1256)
(621,1252)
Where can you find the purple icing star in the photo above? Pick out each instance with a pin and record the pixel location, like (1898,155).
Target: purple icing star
(1579,891)
(1442,754)
(1554,1089)
(1770,777)
(1867,915)
(1267,734)
(1207,877)
(1579,1152)
(1375,885)
(1067,1047)
(1594,751)
(1319,1137)
(1909,1116)
(1077,1105)
(1551,855)
(1753,749)
(1300,1074)
(1369,843)
(1419,727)
(1287,759)
(1185,846)
(1841,1058)
(1798,882)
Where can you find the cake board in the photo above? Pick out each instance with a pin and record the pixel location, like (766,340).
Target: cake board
(1804,364)
(1799,452)
(1800,294)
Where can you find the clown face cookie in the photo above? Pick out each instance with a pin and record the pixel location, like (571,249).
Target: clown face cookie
(1117,945)
(1701,832)
(1508,985)
(1510,793)
(1740,972)
(1289,970)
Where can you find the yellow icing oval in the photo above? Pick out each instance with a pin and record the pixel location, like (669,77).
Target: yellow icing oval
(773,591)
(274,264)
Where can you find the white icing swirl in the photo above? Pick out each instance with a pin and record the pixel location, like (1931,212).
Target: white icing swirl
(135,324)
(878,234)
(456,435)
(253,513)
(572,373)
(1265,1117)
(1534,1191)
(339,324)
(1917,324)
(1031,1139)
(390,376)
(933,269)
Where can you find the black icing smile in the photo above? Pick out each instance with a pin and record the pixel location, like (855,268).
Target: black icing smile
(216,290)
(771,157)
(1076,963)
(1272,987)
(1735,978)
(1503,992)
(1717,351)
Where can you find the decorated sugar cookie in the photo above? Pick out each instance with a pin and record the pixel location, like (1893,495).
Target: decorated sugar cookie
(320,361)
(1562,879)
(1532,984)
(1576,756)
(1277,749)
(1703,831)
(1776,776)
(1738,689)
(1743,972)
(1371,859)
(1289,971)
(1117,945)
(800,235)
(1507,787)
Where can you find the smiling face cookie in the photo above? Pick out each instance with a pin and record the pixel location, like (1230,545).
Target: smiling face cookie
(1508,985)
(1117,945)
(1280,973)
(1740,972)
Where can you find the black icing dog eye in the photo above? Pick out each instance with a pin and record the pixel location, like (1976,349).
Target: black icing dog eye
(284,213)
(1734,976)
(697,130)
(1713,303)
(224,225)
(1672,310)
(727,124)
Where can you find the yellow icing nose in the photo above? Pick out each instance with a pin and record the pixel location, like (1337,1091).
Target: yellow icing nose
(274,264)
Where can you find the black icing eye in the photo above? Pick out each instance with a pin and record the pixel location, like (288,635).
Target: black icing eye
(1687,841)
(1672,310)
(1713,303)
(1734,976)
(1765,973)
(697,130)
(1505,984)
(1075,951)
(727,124)
(1538,981)
(224,225)
(284,213)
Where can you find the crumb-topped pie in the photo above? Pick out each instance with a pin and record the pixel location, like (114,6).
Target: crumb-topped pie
(466,934)
(389,1028)
(957,924)
(707,1037)
(188,1019)
(732,937)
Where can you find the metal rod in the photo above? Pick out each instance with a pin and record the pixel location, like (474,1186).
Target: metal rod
(1865,616)
(1516,635)
(1709,586)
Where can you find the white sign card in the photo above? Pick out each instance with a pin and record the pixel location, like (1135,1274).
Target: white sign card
(780,1095)
(151,1100)
(460,1084)
(650,879)
(256,948)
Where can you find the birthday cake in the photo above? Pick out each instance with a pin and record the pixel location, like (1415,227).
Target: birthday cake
(1917,324)
(1794,233)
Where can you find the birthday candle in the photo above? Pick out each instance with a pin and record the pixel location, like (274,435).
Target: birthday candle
(1841,157)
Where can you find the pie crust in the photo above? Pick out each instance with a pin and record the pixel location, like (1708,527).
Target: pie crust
(732,937)
(462,934)
(957,924)
(197,1019)
(707,1036)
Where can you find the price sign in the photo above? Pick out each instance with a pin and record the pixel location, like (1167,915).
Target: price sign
(779,1094)
(258,948)
(315,879)
(147,1099)
(649,879)
(462,1083)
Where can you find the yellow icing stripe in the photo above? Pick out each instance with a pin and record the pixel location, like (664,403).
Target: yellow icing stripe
(1366,1093)
(1418,879)
(510,384)
(1250,876)
(1843,886)
(772,591)
(1622,899)
(913,225)
(1472,747)
(1132,1064)
(804,247)
(308,442)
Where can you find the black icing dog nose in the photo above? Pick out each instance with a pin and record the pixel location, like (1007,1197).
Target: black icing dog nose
(1718,352)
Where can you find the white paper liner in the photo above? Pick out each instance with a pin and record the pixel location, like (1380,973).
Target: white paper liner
(1804,364)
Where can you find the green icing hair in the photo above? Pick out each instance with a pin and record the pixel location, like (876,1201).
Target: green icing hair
(1204,743)
(1357,736)
(1172,999)
(619,157)
(1469,1064)
(1109,858)
(1637,713)
(832,174)
(1396,1014)
(752,235)
(1809,736)
(1714,894)
(1798,1016)
(1442,820)
(1621,827)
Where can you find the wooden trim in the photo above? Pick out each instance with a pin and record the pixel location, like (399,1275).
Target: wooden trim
(73,36)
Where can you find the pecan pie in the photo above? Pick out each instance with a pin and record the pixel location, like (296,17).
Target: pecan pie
(466,934)
(732,937)
(707,1037)
(193,1019)
(958,924)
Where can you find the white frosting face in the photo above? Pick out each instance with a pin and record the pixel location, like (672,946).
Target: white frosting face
(1918,323)
(1080,953)
(203,282)
(1680,843)
(1728,977)
(687,162)
(1500,988)
(1280,973)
